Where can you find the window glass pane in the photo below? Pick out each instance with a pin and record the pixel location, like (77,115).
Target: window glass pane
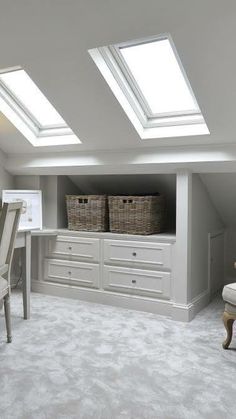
(159,77)
(32,99)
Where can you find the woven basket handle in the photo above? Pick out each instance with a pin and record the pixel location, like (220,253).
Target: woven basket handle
(127,201)
(82,200)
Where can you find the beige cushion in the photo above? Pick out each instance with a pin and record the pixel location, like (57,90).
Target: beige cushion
(3,284)
(229,293)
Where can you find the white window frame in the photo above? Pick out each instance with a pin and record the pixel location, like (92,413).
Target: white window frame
(27,124)
(114,69)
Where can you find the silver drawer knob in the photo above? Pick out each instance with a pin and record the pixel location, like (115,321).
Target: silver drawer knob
(70,248)
(133,281)
(69,272)
(134,254)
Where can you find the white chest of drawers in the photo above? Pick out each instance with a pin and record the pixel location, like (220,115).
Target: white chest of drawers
(73,260)
(111,267)
(137,267)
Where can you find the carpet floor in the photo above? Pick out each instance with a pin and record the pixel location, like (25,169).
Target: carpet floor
(74,359)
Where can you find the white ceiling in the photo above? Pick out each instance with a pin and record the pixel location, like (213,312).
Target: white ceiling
(50,39)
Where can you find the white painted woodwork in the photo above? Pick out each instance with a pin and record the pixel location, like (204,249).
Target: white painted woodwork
(72,273)
(183,237)
(216,262)
(204,220)
(23,242)
(134,302)
(156,254)
(167,237)
(70,246)
(137,281)
(149,280)
(144,286)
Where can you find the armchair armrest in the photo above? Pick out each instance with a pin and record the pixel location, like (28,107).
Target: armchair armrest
(3,269)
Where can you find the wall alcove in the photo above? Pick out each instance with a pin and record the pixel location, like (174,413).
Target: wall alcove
(191,216)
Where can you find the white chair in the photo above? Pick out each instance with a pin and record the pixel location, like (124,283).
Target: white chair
(9,221)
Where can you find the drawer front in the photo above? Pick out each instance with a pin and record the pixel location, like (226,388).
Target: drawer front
(158,255)
(137,281)
(72,273)
(81,248)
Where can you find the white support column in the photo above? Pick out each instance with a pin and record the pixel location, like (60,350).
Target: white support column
(181,280)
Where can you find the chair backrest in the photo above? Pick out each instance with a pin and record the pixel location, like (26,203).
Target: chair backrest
(9,222)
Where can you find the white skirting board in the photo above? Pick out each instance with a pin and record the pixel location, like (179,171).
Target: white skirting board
(187,312)
(179,312)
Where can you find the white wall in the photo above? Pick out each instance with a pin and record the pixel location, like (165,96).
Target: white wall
(205,219)
(54,189)
(230,255)
(222,190)
(6,179)
(65,186)
(27,182)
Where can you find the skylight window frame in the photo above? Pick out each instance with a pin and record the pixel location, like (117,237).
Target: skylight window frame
(20,105)
(116,72)
(115,50)
(36,133)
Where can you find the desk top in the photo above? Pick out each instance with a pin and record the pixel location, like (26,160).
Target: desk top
(44,232)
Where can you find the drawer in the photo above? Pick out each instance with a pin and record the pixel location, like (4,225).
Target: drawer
(137,281)
(86,249)
(156,254)
(72,273)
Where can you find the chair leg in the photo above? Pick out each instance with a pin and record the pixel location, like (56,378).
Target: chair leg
(228,323)
(8,317)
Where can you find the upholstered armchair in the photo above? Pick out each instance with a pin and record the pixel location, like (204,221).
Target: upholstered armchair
(229,297)
(9,221)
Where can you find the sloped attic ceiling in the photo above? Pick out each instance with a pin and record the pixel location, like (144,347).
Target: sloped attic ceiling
(50,39)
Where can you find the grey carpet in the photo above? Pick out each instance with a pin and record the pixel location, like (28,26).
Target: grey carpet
(80,360)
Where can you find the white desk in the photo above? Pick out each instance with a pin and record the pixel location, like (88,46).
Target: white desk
(23,241)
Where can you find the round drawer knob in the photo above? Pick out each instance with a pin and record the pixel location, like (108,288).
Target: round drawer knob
(69,272)
(134,254)
(70,248)
(133,281)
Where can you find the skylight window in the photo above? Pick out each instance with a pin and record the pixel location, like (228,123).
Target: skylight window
(29,110)
(150,83)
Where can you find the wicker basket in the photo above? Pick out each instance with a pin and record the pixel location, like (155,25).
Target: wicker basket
(87,212)
(136,214)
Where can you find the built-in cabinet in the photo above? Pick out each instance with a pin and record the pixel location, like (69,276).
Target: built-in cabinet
(136,266)
(164,273)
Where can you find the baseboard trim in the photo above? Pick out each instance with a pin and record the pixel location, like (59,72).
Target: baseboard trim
(187,312)
(198,303)
(131,302)
(179,312)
